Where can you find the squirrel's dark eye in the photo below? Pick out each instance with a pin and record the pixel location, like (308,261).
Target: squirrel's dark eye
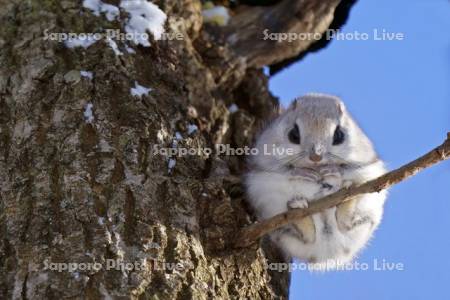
(294,135)
(339,136)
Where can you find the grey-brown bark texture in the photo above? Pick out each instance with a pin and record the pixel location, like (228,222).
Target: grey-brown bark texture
(87,191)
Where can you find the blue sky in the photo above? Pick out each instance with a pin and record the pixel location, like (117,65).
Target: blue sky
(399,91)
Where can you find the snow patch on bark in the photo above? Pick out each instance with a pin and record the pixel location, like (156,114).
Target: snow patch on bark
(129,49)
(114,46)
(87,74)
(139,90)
(84,41)
(97,7)
(144,16)
(88,115)
(233,108)
(171,164)
(192,128)
(101,221)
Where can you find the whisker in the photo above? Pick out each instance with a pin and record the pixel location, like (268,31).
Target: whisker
(342,160)
(285,161)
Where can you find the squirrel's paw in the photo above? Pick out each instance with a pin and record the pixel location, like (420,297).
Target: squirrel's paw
(347,183)
(345,223)
(329,171)
(297,202)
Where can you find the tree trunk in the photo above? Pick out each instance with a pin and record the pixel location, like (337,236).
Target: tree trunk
(81,185)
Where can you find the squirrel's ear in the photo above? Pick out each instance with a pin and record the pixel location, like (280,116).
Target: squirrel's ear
(341,107)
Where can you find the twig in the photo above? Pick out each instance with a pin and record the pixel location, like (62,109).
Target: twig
(253,232)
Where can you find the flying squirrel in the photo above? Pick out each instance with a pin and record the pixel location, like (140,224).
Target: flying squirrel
(328,151)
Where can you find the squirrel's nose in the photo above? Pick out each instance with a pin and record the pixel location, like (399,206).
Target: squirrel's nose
(315,157)
(316,153)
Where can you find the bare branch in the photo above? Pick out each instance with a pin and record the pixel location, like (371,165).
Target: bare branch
(251,233)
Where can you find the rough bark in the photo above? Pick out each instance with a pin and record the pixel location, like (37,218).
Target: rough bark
(84,192)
